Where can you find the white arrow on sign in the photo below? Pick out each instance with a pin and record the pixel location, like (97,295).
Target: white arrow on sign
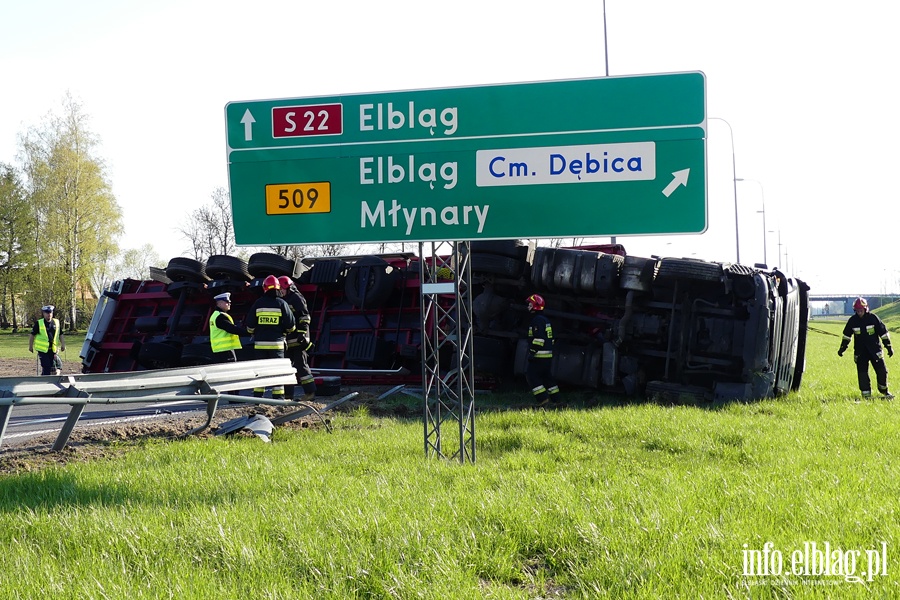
(678,178)
(248,122)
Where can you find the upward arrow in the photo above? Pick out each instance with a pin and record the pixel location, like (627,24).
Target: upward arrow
(248,122)
(678,178)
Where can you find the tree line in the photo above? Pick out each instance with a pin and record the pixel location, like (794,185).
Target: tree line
(59,219)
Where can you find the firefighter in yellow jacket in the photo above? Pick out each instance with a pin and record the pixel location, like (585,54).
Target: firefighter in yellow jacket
(47,339)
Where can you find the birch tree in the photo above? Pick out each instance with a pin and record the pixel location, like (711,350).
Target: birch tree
(16,244)
(78,218)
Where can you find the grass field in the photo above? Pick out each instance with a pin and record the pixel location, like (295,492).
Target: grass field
(15,345)
(616,501)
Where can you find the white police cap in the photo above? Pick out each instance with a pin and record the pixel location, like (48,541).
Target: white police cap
(48,308)
(226,296)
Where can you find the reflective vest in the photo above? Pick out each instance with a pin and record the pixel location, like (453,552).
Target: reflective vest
(219,339)
(42,340)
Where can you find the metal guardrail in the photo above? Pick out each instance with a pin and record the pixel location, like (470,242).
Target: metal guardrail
(361,372)
(204,384)
(223,377)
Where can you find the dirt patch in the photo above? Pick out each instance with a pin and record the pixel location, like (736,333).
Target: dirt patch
(25,367)
(92,442)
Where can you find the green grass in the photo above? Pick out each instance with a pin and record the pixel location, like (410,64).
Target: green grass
(890,314)
(628,501)
(15,345)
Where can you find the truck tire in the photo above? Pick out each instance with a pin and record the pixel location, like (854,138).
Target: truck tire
(263,264)
(222,267)
(567,265)
(542,268)
(182,268)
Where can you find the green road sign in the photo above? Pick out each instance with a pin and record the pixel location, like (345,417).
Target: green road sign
(574,158)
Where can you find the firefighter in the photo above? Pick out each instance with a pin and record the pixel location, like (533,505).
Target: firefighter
(47,338)
(298,342)
(868,333)
(540,352)
(269,320)
(224,335)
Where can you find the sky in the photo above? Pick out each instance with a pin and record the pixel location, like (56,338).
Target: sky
(801,100)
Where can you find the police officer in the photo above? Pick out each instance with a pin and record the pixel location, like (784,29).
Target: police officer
(224,335)
(269,320)
(298,342)
(47,338)
(868,333)
(540,352)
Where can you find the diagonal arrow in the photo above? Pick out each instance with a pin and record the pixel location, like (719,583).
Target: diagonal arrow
(248,122)
(678,178)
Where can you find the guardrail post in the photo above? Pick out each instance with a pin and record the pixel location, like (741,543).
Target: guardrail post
(5,412)
(75,414)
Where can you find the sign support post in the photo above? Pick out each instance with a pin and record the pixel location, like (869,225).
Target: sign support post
(449,396)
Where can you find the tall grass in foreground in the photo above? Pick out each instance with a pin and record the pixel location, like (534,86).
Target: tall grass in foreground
(619,501)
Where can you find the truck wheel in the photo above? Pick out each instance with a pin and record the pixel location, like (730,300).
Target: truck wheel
(222,266)
(542,268)
(182,268)
(567,264)
(263,264)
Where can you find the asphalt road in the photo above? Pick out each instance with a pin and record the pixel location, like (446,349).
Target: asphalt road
(29,421)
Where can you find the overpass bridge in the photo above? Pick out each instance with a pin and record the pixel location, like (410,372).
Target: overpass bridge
(842,304)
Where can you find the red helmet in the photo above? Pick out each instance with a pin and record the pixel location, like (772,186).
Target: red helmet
(270,283)
(285,282)
(860,304)
(535,302)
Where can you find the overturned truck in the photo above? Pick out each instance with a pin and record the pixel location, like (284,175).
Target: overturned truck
(674,329)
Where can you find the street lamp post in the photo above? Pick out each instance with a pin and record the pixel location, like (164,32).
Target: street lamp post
(762,194)
(779,248)
(612,239)
(734,180)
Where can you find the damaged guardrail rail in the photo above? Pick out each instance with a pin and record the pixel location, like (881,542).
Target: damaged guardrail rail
(209,383)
